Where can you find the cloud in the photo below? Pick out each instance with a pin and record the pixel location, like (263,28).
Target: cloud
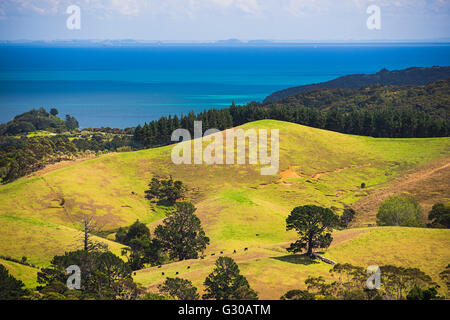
(303,7)
(194,8)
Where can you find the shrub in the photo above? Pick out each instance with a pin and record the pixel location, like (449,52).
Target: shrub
(179,288)
(418,293)
(400,211)
(297,295)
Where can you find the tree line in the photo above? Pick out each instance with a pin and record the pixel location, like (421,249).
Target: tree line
(379,123)
(349,282)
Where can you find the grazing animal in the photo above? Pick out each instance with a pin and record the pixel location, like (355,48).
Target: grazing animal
(162,273)
(257,234)
(176,272)
(159,267)
(246,249)
(234,251)
(221,252)
(135,273)
(212,254)
(189,267)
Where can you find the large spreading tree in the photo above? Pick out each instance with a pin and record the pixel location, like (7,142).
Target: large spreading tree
(181,233)
(166,190)
(314,225)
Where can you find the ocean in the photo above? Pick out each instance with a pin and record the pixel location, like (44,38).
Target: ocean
(126,86)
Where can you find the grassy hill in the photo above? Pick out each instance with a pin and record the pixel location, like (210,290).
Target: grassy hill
(238,207)
(28,275)
(271,271)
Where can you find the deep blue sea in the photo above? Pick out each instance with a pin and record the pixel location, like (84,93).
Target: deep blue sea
(123,87)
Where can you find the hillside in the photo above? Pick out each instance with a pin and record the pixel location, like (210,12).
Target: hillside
(272,271)
(410,76)
(428,184)
(238,207)
(433,98)
(36,120)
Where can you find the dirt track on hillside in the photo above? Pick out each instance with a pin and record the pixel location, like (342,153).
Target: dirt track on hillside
(428,184)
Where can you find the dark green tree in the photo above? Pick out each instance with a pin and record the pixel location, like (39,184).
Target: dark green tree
(181,233)
(445,276)
(135,231)
(439,216)
(179,288)
(10,287)
(226,282)
(99,271)
(418,293)
(53,111)
(298,295)
(346,217)
(166,190)
(314,225)
(71,123)
(141,248)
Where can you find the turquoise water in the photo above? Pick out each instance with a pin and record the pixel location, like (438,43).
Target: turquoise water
(123,87)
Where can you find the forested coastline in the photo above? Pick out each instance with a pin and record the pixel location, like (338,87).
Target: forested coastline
(37,138)
(377,111)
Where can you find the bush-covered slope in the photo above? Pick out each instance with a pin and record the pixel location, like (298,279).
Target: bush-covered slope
(433,98)
(35,120)
(410,76)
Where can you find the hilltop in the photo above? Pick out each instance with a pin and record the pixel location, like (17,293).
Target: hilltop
(238,207)
(35,120)
(410,76)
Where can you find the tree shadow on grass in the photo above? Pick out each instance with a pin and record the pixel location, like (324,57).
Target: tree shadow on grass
(297,259)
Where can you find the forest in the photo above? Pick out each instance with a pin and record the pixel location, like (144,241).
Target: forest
(407,77)
(377,111)
(37,138)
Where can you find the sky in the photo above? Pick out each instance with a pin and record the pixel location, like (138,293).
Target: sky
(209,20)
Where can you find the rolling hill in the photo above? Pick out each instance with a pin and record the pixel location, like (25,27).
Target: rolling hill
(238,207)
